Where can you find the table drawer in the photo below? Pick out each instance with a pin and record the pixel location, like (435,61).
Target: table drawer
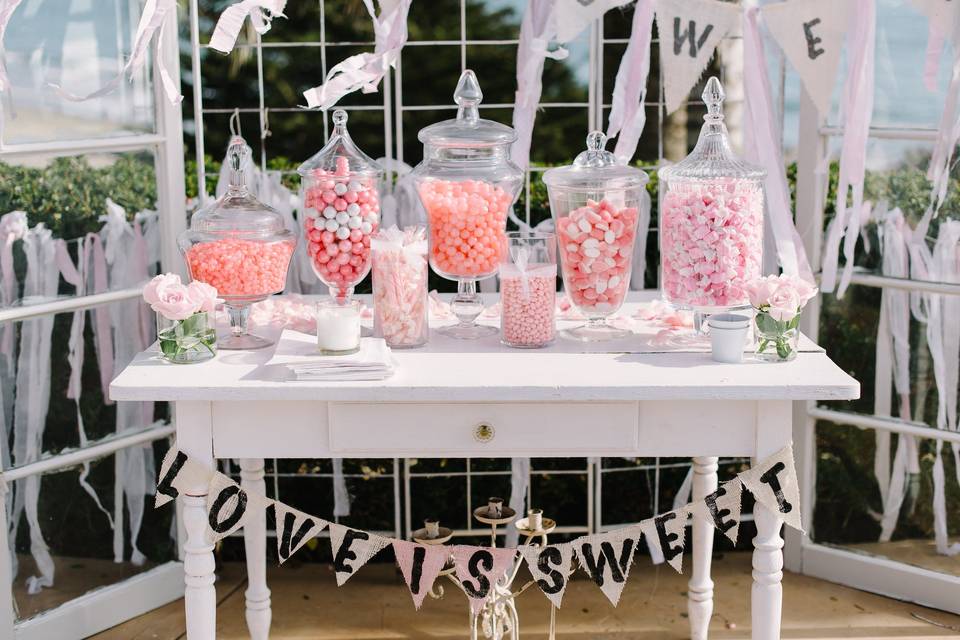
(481,429)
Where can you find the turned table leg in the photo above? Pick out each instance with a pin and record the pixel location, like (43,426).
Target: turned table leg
(255,545)
(700,587)
(767,593)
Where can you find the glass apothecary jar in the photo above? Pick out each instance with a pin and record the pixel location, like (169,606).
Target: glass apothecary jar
(595,203)
(467,184)
(341,205)
(711,220)
(239,246)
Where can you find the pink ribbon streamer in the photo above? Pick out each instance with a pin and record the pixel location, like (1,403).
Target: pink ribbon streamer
(628,115)
(762,140)
(261,13)
(857,113)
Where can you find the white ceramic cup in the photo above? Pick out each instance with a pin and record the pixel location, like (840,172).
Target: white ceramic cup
(728,336)
(494,507)
(535,519)
(432,527)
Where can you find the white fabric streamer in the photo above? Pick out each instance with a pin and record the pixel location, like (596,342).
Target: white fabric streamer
(261,13)
(13,226)
(628,114)
(341,497)
(7,7)
(365,70)
(857,114)
(519,485)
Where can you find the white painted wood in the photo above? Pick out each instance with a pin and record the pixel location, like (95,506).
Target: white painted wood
(255,544)
(195,437)
(667,428)
(700,587)
(7,615)
(243,429)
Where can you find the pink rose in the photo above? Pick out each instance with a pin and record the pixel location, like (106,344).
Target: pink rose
(204,295)
(168,296)
(759,290)
(805,290)
(784,303)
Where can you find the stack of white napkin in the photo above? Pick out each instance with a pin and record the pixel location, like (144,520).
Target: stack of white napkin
(298,352)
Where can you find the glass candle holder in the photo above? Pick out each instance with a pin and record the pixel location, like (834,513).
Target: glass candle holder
(528,289)
(400,272)
(192,339)
(338,327)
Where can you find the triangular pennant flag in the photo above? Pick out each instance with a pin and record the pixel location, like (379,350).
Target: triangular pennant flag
(294,529)
(228,506)
(479,568)
(573,16)
(722,509)
(607,557)
(666,535)
(178,471)
(420,565)
(551,567)
(811,34)
(689,31)
(773,482)
(352,549)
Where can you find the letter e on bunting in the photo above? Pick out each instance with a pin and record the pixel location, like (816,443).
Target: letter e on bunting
(607,558)
(722,509)
(479,568)
(420,565)
(666,536)
(773,482)
(294,529)
(551,567)
(352,549)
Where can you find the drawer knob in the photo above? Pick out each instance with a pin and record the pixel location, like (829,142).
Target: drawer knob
(483,432)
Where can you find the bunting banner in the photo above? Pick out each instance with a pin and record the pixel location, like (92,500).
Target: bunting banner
(605,557)
(573,16)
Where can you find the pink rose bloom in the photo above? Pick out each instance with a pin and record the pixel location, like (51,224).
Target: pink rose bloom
(759,290)
(805,290)
(204,295)
(784,303)
(168,296)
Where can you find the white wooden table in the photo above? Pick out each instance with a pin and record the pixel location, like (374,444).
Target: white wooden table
(543,403)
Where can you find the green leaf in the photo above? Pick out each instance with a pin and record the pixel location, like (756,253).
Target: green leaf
(783,348)
(793,324)
(767,325)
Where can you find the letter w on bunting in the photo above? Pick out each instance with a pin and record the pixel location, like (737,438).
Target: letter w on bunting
(607,558)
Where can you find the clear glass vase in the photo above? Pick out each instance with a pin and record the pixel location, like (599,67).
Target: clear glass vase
(193,339)
(776,339)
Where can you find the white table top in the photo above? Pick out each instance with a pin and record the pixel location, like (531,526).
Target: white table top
(486,372)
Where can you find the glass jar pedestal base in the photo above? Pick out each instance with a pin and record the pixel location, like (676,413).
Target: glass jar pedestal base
(595,330)
(239,339)
(467,305)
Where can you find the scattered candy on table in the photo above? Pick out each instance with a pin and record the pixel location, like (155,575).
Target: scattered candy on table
(528,304)
(241,267)
(467,225)
(400,274)
(596,248)
(711,242)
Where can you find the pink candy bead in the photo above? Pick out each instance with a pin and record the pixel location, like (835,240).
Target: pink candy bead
(467,225)
(400,274)
(711,242)
(241,267)
(527,314)
(596,242)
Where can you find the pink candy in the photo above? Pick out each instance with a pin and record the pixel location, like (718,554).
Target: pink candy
(596,249)
(400,286)
(241,267)
(527,308)
(711,242)
(467,224)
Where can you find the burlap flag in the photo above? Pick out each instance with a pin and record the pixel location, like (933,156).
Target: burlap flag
(773,482)
(607,557)
(352,549)
(551,567)
(811,34)
(228,506)
(666,536)
(573,16)
(294,529)
(689,32)
(479,568)
(420,565)
(176,472)
(722,509)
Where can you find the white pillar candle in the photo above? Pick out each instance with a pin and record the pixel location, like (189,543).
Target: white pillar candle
(338,327)
(535,519)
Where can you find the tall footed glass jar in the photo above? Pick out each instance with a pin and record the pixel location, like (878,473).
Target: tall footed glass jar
(711,221)
(467,184)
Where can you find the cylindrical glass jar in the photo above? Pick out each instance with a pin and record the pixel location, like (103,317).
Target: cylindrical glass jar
(239,246)
(528,289)
(595,203)
(467,184)
(400,271)
(338,327)
(192,339)
(711,220)
(341,208)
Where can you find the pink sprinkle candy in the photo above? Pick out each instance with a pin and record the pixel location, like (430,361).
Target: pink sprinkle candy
(527,309)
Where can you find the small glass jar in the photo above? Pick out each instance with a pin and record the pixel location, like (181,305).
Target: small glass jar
(596,204)
(338,327)
(192,339)
(528,290)
(239,246)
(400,273)
(777,340)
(467,184)
(341,210)
(711,220)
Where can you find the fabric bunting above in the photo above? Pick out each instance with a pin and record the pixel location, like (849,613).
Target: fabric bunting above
(605,557)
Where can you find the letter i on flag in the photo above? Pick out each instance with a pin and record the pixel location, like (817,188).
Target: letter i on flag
(420,565)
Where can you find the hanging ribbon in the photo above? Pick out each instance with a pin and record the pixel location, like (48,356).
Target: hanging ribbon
(762,144)
(261,13)
(857,113)
(519,486)
(153,21)
(365,70)
(7,7)
(341,497)
(628,114)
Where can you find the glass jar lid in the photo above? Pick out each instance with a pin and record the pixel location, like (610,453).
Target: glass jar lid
(468,129)
(238,212)
(713,157)
(595,168)
(341,156)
